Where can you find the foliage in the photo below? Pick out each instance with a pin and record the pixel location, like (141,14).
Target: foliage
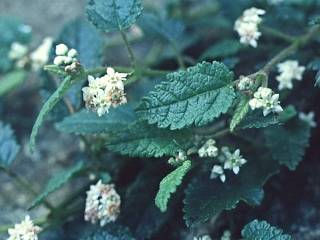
(8,146)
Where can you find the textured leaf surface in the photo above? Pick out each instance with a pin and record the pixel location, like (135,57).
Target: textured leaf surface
(57,182)
(255,119)
(8,146)
(110,232)
(47,107)
(240,112)
(196,96)
(206,197)
(143,140)
(261,230)
(287,144)
(88,122)
(11,81)
(113,15)
(169,185)
(224,48)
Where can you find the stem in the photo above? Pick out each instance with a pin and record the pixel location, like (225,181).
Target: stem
(299,42)
(24,185)
(130,52)
(178,55)
(275,33)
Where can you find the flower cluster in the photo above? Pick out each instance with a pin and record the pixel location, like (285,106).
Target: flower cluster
(247,26)
(245,83)
(66,58)
(230,160)
(209,149)
(308,118)
(102,204)
(289,70)
(226,235)
(180,157)
(104,92)
(265,99)
(203,237)
(25,230)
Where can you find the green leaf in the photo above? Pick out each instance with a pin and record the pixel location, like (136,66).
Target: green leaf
(11,81)
(207,197)
(255,119)
(8,146)
(57,182)
(47,107)
(287,114)
(240,112)
(225,48)
(195,96)
(287,143)
(317,83)
(113,15)
(56,70)
(88,122)
(261,230)
(169,185)
(109,232)
(143,140)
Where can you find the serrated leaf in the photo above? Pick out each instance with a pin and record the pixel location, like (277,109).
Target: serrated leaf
(225,48)
(88,122)
(143,140)
(8,146)
(109,232)
(195,96)
(240,112)
(207,197)
(261,230)
(57,181)
(255,119)
(287,143)
(11,81)
(47,107)
(169,185)
(113,15)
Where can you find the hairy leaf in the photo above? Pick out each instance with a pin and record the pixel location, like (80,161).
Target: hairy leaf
(113,15)
(255,119)
(8,146)
(195,96)
(240,112)
(47,107)
(287,143)
(169,185)
(88,122)
(11,81)
(224,48)
(207,197)
(143,140)
(57,182)
(261,230)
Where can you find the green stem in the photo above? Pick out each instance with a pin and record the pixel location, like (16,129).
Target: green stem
(178,55)
(130,51)
(275,33)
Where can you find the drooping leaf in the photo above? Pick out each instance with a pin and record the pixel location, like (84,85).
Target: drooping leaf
(195,96)
(143,140)
(8,146)
(207,197)
(57,181)
(169,185)
(109,232)
(113,15)
(287,143)
(240,112)
(11,81)
(225,48)
(261,230)
(47,107)
(255,119)
(88,122)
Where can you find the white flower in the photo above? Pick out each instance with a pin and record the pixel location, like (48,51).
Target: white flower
(226,235)
(17,51)
(61,50)
(102,204)
(308,118)
(203,237)
(178,159)
(25,230)
(265,99)
(217,171)
(72,53)
(104,92)
(275,2)
(40,56)
(209,149)
(233,160)
(247,26)
(245,83)
(289,70)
